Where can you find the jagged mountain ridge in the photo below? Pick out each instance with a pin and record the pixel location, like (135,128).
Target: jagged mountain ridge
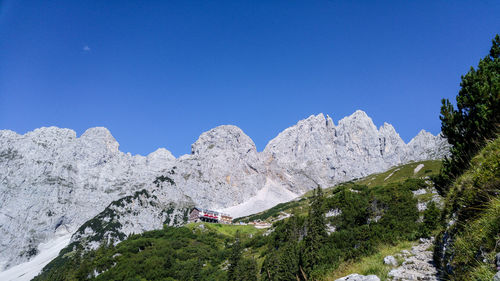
(52,181)
(316,152)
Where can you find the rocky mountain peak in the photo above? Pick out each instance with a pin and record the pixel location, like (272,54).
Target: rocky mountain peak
(358,122)
(389,135)
(359,114)
(425,145)
(329,154)
(7,136)
(100,136)
(223,138)
(50,137)
(302,136)
(387,129)
(52,132)
(161,154)
(313,119)
(423,134)
(316,121)
(423,139)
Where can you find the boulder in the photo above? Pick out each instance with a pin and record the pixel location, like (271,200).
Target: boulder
(390,260)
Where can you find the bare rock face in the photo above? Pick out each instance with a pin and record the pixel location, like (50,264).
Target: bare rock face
(392,147)
(142,211)
(223,169)
(427,146)
(303,156)
(53,181)
(316,152)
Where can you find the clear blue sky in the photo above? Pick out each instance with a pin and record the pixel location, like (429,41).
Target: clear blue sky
(159,73)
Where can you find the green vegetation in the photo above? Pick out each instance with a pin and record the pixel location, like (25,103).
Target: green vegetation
(401,173)
(470,178)
(398,175)
(475,120)
(273,212)
(473,204)
(478,240)
(160,179)
(367,218)
(194,253)
(316,233)
(106,222)
(240,268)
(431,219)
(227,229)
(372,264)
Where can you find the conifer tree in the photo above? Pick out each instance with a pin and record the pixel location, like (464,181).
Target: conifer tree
(283,261)
(270,266)
(288,263)
(316,232)
(234,258)
(431,219)
(246,270)
(476,118)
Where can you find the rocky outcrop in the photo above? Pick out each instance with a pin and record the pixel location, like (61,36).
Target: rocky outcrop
(417,265)
(137,213)
(53,181)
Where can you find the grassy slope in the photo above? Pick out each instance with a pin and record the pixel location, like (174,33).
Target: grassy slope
(482,233)
(399,174)
(228,230)
(373,264)
(473,203)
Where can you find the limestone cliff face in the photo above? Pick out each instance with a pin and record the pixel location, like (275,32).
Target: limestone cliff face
(53,181)
(50,181)
(316,152)
(224,168)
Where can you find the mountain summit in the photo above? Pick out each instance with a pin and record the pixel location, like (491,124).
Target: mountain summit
(316,152)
